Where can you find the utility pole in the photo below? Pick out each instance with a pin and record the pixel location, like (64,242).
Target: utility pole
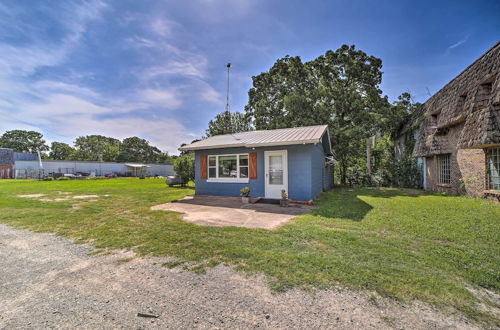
(227,125)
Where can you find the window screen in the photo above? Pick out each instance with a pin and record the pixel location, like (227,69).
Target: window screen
(444,176)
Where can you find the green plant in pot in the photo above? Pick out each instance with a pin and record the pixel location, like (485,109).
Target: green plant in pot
(284,198)
(245,195)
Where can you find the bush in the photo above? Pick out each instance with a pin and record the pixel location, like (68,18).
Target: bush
(184,167)
(48,178)
(63,178)
(403,173)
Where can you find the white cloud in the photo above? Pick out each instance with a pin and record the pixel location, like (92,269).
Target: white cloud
(458,43)
(164,98)
(24,60)
(48,86)
(209,94)
(64,109)
(64,117)
(163,27)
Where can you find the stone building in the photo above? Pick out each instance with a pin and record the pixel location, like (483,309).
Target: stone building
(458,138)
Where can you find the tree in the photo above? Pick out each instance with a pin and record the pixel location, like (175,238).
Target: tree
(282,96)
(135,149)
(184,167)
(339,88)
(165,158)
(23,141)
(96,148)
(61,151)
(227,123)
(186,152)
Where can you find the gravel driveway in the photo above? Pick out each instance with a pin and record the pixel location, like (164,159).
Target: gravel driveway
(49,282)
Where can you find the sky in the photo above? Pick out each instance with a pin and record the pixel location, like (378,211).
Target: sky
(157,69)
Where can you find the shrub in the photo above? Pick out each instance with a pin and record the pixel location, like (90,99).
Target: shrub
(184,167)
(63,178)
(404,173)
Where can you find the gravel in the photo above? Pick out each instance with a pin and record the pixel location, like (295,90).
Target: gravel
(48,282)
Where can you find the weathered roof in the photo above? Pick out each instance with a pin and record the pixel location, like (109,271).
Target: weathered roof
(465,106)
(263,138)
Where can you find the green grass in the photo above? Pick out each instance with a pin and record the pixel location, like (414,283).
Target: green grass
(404,244)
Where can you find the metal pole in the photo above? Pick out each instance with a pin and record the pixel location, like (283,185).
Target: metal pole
(228,113)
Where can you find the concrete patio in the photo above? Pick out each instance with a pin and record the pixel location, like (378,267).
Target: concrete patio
(224,211)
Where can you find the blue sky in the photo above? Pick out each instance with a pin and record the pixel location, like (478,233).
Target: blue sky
(156,69)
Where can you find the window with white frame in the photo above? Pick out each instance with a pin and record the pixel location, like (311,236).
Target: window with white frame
(228,167)
(443,162)
(493,157)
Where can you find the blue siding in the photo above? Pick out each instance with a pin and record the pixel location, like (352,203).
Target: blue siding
(317,165)
(305,172)
(328,177)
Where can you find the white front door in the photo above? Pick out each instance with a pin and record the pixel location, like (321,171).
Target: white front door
(276,165)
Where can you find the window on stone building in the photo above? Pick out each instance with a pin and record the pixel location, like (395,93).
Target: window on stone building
(434,119)
(483,95)
(461,103)
(493,174)
(444,170)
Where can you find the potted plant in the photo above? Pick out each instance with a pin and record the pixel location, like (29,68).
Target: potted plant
(284,198)
(245,195)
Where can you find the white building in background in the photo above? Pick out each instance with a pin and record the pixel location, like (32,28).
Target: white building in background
(20,166)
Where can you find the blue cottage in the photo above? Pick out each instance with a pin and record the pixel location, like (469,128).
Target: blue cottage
(298,160)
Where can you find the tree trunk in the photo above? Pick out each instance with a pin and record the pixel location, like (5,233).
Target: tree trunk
(343,176)
(369,156)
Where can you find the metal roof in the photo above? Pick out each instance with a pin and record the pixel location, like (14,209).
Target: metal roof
(136,165)
(275,137)
(25,156)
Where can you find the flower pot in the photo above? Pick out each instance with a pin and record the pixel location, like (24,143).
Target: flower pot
(283,203)
(245,200)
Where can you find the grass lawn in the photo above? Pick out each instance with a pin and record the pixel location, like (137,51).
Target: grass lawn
(404,244)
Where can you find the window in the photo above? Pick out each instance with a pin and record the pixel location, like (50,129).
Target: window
(493,175)
(228,168)
(212,167)
(443,162)
(434,118)
(483,95)
(461,103)
(243,166)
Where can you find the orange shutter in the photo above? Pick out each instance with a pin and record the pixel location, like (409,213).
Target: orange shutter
(253,165)
(203,166)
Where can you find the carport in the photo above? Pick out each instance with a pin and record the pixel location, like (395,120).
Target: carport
(137,169)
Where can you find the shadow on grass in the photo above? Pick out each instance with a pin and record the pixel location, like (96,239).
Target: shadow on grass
(344,202)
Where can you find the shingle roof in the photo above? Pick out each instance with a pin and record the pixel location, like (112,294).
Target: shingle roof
(276,137)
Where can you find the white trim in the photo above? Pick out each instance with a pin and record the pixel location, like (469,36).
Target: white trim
(227,180)
(266,170)
(250,145)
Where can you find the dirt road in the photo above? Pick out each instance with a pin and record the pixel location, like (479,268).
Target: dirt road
(49,282)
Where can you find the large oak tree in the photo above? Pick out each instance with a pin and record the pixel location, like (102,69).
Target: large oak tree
(340,88)
(23,141)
